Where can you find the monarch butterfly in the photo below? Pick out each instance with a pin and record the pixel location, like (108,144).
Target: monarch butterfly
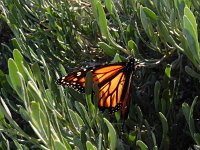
(114,82)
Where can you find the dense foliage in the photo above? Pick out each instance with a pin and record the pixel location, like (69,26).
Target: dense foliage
(43,39)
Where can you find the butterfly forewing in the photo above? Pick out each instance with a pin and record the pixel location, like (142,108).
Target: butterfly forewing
(76,80)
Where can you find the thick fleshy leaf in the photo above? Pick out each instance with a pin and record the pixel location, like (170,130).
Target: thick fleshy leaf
(112,136)
(90,146)
(142,145)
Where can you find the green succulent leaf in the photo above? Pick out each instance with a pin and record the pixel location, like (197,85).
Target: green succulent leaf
(90,146)
(111,135)
(142,145)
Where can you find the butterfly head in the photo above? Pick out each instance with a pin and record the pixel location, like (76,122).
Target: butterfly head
(131,62)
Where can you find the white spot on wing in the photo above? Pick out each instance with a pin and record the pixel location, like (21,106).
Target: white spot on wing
(78,74)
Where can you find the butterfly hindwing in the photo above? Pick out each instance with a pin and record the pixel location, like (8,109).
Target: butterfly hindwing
(110,93)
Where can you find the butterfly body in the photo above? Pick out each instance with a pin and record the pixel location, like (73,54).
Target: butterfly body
(114,82)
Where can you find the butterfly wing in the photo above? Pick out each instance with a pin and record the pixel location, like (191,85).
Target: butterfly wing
(113,82)
(75,80)
(110,91)
(100,74)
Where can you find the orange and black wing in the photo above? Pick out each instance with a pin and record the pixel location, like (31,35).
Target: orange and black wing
(113,81)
